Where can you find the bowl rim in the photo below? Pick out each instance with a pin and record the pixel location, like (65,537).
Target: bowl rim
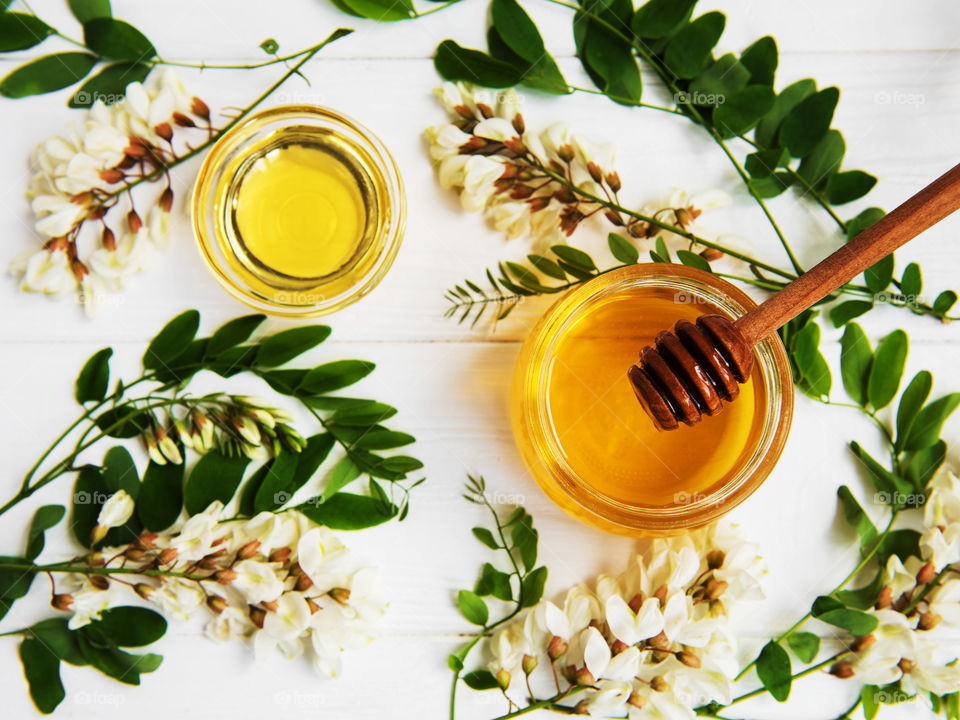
(207,179)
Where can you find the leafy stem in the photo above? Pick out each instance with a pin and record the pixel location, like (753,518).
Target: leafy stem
(83,569)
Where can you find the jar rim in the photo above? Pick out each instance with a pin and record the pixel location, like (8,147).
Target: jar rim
(534,399)
(202,204)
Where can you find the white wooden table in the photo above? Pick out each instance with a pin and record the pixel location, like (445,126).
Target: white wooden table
(899,69)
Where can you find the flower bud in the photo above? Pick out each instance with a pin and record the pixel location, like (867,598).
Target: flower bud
(212,560)
(927,573)
(614,217)
(134,221)
(183,120)
(659,684)
(538,203)
(569,673)
(906,666)
(339,594)
(637,700)
(136,149)
(108,240)
(225,576)
(312,605)
(280,555)
(147,540)
(595,172)
(584,678)
(164,130)
(636,602)
(711,254)
(928,621)
(661,594)
(613,181)
(842,670)
(659,641)
(257,616)
(618,647)
(528,664)
(863,642)
(714,589)
(143,590)
(63,601)
(715,559)
(556,647)
(112,176)
(689,659)
(98,533)
(217,604)
(683,216)
(582,708)
(248,550)
(566,152)
(100,582)
(167,556)
(96,559)
(134,553)
(518,124)
(660,655)
(270,605)
(503,679)
(885,598)
(485,110)
(199,108)
(716,609)
(166,200)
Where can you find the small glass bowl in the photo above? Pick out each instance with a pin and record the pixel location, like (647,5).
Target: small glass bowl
(542,451)
(217,238)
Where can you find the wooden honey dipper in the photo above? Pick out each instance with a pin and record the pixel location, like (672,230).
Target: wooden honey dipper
(691,371)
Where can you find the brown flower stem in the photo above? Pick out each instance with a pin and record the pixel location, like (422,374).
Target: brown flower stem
(930,587)
(69,568)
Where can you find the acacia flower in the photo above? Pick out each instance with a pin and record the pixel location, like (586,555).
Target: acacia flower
(115,512)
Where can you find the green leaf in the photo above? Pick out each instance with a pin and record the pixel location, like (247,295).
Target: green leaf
(573,256)
(912,283)
(868,697)
(806,123)
(862,221)
(117,39)
(844,312)
(89,491)
(14,584)
(531,590)
(19,31)
(172,340)
(863,598)
(278,485)
(122,421)
(945,300)
(382,439)
(848,186)
(472,607)
(344,473)
(661,249)
(761,60)
(284,346)
(214,477)
(480,680)
(771,186)
(879,275)
(114,663)
(42,670)
(922,464)
(857,518)
(786,101)
(454,663)
(486,537)
(494,582)
(724,77)
(911,401)
(62,641)
(110,84)
(903,543)
(887,369)
(763,163)
(547,266)
(856,357)
(691,259)
(94,377)
(805,646)
(517,30)
(810,363)
(854,622)
(311,457)
(130,626)
(84,10)
(743,110)
(661,18)
(47,74)
(381,10)
(44,518)
(611,63)
(823,160)
(889,486)
(334,376)
(689,50)
(453,62)
(366,415)
(773,669)
(622,249)
(524,538)
(346,511)
(161,495)
(926,428)
(233,333)
(119,472)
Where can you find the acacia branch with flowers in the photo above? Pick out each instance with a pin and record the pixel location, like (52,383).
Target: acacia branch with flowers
(253,550)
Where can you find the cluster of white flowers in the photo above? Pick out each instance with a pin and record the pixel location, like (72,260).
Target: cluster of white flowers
(919,607)
(80,176)
(655,642)
(277,579)
(541,185)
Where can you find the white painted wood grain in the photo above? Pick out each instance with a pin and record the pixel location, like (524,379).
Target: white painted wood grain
(900,73)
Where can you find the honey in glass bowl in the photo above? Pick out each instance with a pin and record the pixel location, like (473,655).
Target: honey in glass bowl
(589,443)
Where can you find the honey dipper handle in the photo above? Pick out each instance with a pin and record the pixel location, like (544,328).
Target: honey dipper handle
(925,209)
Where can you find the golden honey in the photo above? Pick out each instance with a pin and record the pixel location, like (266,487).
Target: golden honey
(587,440)
(298,210)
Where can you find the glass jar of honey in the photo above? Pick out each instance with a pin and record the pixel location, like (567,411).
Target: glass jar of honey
(589,443)
(298,210)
